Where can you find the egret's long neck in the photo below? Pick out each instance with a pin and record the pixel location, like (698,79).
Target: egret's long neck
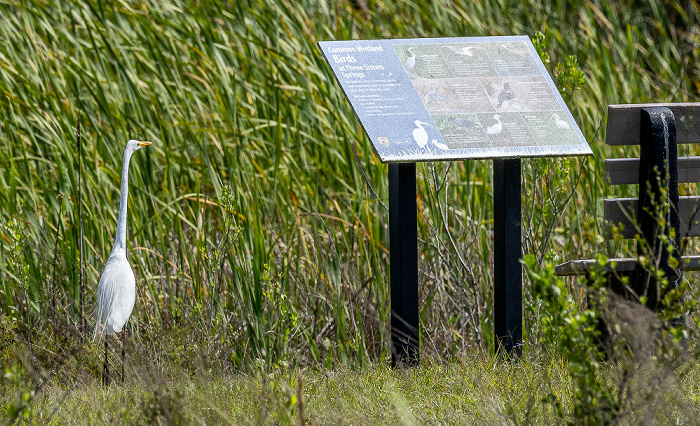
(120,240)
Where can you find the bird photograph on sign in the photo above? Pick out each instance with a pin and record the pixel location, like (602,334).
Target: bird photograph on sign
(361,212)
(463,50)
(561,124)
(410,61)
(495,128)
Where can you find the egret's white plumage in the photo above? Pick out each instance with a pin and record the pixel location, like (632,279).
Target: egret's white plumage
(116,292)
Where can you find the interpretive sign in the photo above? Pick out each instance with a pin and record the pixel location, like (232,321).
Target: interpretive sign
(454,98)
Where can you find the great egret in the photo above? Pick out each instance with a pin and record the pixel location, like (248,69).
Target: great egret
(559,122)
(496,128)
(420,135)
(116,292)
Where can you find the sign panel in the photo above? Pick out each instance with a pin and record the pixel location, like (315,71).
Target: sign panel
(454,98)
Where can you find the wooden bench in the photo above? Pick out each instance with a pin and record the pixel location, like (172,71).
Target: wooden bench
(657,128)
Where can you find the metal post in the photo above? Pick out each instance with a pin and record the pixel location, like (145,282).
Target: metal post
(658,198)
(508,285)
(403,263)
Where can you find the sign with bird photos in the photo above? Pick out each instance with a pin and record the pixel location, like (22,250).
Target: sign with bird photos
(454,98)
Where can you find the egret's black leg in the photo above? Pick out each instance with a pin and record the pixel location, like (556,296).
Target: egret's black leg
(123,351)
(105,372)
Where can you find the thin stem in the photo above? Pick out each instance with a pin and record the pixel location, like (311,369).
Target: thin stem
(54,286)
(80,240)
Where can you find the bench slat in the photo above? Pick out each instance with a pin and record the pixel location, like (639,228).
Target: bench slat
(623,123)
(626,264)
(624,211)
(625,171)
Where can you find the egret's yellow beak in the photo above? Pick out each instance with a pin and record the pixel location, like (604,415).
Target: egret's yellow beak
(144,143)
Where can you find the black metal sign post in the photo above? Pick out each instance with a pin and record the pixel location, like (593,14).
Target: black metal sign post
(403,263)
(507,247)
(403,258)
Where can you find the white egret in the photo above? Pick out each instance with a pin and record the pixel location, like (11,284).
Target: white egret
(411,60)
(420,135)
(116,292)
(561,124)
(496,128)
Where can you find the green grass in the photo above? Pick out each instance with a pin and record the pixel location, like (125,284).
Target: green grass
(251,228)
(475,391)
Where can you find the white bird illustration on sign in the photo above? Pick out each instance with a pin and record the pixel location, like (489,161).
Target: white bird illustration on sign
(496,128)
(420,135)
(465,51)
(562,124)
(440,145)
(411,60)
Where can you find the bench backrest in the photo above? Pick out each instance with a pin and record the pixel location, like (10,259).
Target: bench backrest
(623,128)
